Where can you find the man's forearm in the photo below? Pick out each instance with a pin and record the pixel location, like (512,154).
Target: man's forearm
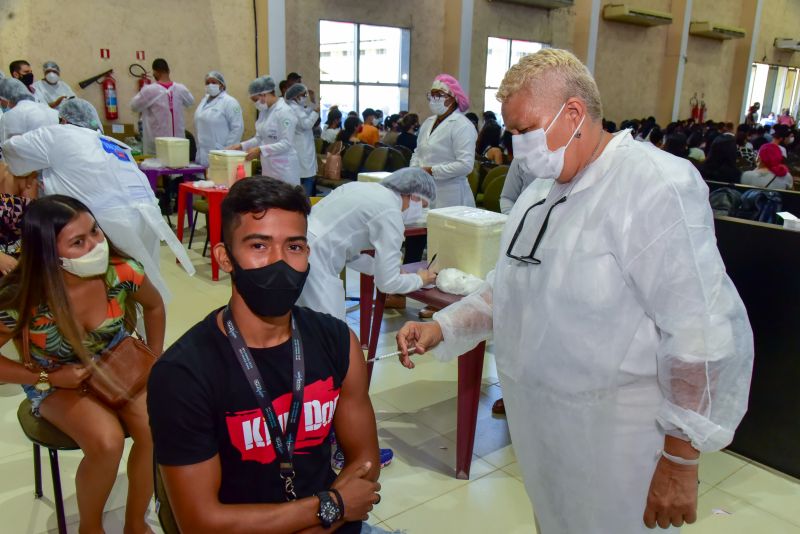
(291,516)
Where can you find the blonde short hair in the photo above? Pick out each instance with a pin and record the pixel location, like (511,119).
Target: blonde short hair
(561,65)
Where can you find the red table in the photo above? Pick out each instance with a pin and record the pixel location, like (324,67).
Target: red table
(470,364)
(214,196)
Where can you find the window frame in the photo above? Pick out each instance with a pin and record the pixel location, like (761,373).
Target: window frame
(510,40)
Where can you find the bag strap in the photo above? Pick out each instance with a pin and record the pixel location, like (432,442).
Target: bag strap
(770,182)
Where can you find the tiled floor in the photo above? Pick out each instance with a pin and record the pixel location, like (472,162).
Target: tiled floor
(416,417)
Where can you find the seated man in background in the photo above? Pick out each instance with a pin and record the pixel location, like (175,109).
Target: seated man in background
(52,90)
(217,395)
(369,133)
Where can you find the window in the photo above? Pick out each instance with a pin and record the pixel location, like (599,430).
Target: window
(363,66)
(501,54)
(775,88)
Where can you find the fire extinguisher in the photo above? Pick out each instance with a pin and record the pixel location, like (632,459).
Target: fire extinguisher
(110,98)
(703,108)
(144,80)
(693,102)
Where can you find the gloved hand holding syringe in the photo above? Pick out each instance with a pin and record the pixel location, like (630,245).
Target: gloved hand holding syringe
(394,354)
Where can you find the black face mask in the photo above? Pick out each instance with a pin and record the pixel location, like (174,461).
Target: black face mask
(27,79)
(269,291)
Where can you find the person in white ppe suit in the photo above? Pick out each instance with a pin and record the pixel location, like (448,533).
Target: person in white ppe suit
(516,182)
(275,131)
(302,103)
(23,113)
(364,216)
(74,159)
(446,143)
(218,118)
(161,105)
(623,348)
(52,90)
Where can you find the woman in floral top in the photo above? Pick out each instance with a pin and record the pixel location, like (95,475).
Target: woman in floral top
(77,296)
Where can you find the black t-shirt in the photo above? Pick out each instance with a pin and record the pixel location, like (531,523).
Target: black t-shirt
(201,404)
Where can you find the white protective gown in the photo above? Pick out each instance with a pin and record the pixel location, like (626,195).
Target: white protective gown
(450,152)
(516,182)
(100,172)
(49,93)
(628,328)
(304,139)
(275,131)
(355,217)
(27,115)
(162,112)
(218,124)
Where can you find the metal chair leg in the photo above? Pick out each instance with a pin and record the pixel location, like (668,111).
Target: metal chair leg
(37,471)
(57,496)
(208,235)
(191,234)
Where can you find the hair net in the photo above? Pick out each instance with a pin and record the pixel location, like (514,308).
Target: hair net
(79,112)
(14,91)
(294,91)
(772,157)
(51,65)
(264,84)
(412,181)
(451,86)
(217,75)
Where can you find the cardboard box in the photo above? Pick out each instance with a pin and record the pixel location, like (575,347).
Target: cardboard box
(119,131)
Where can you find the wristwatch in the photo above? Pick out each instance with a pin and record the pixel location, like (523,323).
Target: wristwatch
(329,511)
(43,384)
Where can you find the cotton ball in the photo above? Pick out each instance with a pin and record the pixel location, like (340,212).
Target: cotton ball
(457,282)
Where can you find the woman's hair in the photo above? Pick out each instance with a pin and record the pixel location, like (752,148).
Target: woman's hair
(695,140)
(508,143)
(722,154)
(38,279)
(656,136)
(351,124)
(333,116)
(489,136)
(676,145)
(409,121)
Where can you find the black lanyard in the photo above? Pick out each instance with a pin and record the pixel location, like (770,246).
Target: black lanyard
(283,443)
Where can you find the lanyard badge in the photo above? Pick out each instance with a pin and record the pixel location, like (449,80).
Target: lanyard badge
(283,442)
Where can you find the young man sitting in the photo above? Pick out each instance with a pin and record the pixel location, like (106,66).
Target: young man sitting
(242,405)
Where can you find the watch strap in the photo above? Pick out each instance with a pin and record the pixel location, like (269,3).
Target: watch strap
(325,500)
(339,500)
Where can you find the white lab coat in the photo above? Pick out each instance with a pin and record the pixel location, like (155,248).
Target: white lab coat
(304,139)
(100,172)
(27,115)
(50,93)
(162,112)
(218,124)
(628,328)
(275,131)
(355,217)
(450,152)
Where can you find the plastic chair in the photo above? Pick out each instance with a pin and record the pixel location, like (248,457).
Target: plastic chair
(491,197)
(406,152)
(200,205)
(396,161)
(491,176)
(376,161)
(474,179)
(352,159)
(314,200)
(318,142)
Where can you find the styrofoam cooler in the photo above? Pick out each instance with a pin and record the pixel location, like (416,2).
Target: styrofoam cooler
(222,166)
(465,238)
(372,176)
(172,151)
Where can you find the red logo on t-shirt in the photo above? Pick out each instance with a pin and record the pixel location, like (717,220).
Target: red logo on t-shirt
(248,431)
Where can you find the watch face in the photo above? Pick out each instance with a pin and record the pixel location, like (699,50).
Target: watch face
(42,386)
(328,512)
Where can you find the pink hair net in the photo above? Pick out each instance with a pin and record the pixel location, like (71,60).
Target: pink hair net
(456,90)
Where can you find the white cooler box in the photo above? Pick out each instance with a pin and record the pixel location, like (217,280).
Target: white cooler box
(377,177)
(222,166)
(465,238)
(172,151)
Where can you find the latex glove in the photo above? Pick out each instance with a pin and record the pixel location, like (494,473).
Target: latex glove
(253,153)
(237,146)
(672,499)
(428,276)
(7,263)
(423,336)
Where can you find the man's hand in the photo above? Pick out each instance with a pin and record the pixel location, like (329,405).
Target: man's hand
(253,153)
(237,146)
(423,336)
(359,493)
(7,263)
(428,276)
(672,499)
(57,102)
(429,170)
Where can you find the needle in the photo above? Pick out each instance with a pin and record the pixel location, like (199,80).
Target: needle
(391,355)
(432,260)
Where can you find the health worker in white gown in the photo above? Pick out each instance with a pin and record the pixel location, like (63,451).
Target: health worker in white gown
(364,216)
(623,348)
(218,118)
(446,143)
(74,159)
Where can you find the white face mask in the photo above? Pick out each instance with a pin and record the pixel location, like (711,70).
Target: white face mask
(93,263)
(437,105)
(261,106)
(51,78)
(536,159)
(303,100)
(213,89)
(413,213)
